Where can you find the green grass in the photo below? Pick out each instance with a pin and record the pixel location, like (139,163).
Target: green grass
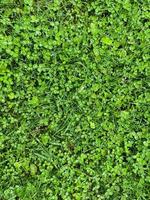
(74,100)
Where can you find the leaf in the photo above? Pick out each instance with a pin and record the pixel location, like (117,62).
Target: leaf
(94,28)
(45,139)
(11,95)
(127,5)
(34,101)
(106,40)
(92,125)
(95,87)
(33,169)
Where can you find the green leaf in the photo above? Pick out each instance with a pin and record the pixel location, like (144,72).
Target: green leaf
(92,125)
(11,95)
(45,139)
(107,41)
(33,169)
(34,100)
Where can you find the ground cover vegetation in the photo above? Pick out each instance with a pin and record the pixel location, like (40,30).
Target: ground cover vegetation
(74,100)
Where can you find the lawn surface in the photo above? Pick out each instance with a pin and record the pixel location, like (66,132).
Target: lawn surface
(74,100)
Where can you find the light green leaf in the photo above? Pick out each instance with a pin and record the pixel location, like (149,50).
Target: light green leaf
(106,40)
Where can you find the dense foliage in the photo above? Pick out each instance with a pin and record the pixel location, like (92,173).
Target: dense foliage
(74,100)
